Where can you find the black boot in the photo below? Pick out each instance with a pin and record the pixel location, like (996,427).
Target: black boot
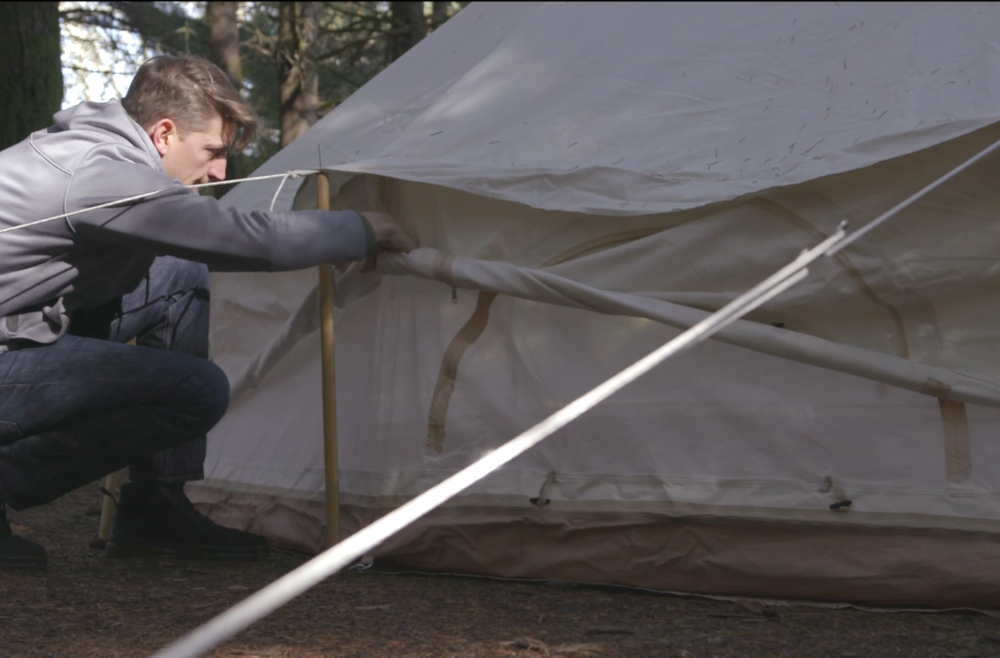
(158,520)
(17,552)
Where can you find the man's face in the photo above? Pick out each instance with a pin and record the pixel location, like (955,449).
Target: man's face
(198,157)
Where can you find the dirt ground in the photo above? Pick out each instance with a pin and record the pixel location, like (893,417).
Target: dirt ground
(88,605)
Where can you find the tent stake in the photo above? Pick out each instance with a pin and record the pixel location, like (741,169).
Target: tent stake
(329,381)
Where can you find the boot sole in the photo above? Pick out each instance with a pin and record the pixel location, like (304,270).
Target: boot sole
(141,548)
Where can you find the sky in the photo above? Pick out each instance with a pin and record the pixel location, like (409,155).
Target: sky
(108,70)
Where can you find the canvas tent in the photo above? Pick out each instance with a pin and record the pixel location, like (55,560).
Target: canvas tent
(587,179)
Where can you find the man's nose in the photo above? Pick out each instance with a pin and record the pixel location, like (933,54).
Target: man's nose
(217,170)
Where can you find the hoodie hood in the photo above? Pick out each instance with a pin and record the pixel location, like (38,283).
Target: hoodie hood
(95,124)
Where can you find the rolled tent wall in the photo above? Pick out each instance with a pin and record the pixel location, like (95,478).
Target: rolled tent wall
(875,381)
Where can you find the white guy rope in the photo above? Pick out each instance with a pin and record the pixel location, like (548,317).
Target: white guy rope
(281,185)
(292,173)
(916,197)
(283,590)
(295,173)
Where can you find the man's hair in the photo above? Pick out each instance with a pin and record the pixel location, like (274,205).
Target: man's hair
(189,91)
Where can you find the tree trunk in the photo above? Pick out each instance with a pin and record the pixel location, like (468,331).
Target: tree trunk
(439,14)
(224,38)
(297,79)
(409,27)
(224,51)
(31,83)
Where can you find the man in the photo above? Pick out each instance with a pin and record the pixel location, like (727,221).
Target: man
(76,402)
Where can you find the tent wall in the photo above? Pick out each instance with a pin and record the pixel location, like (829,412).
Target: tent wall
(673,154)
(871,566)
(722,444)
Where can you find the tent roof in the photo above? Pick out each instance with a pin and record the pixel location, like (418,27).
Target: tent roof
(641,108)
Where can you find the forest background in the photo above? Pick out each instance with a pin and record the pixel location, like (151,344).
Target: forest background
(293,61)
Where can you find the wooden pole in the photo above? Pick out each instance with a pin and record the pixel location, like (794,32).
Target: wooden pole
(108,503)
(329,381)
(108,507)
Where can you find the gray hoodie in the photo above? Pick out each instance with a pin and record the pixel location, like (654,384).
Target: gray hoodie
(94,154)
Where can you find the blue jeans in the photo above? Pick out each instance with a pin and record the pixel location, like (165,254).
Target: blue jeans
(88,405)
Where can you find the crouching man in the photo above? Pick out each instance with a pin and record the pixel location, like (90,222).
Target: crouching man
(77,402)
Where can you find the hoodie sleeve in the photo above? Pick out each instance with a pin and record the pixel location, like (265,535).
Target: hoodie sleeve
(179,222)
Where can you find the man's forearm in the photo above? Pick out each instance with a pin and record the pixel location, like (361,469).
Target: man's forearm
(197,228)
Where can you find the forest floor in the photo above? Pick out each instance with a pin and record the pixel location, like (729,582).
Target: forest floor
(87,605)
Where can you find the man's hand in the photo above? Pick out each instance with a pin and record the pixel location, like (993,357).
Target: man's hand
(389,236)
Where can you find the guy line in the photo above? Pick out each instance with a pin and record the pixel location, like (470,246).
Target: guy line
(295,173)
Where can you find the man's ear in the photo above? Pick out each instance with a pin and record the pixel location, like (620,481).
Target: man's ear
(164,134)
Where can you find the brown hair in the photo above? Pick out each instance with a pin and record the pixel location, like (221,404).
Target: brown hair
(189,91)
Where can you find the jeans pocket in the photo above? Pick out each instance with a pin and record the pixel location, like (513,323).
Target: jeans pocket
(8,432)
